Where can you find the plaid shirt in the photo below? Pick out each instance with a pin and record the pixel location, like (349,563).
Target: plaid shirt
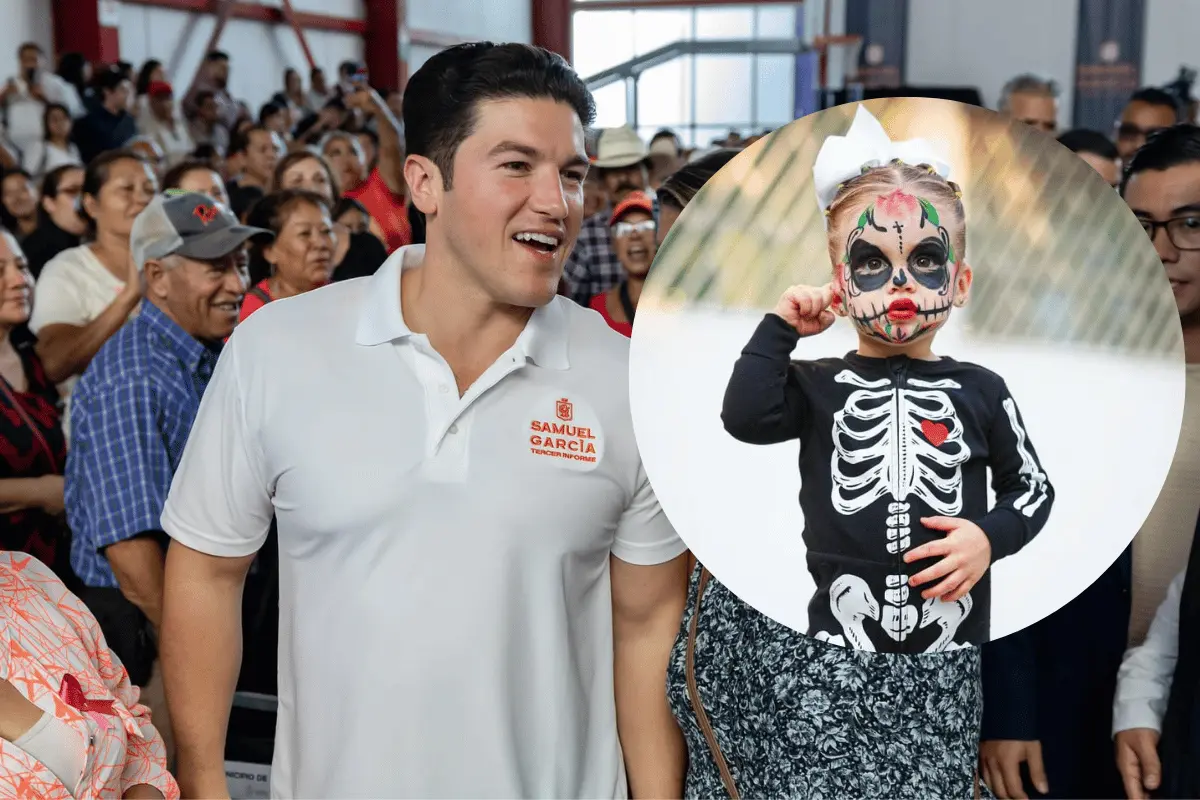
(130,417)
(592,267)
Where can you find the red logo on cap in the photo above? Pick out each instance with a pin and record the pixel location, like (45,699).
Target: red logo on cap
(206,213)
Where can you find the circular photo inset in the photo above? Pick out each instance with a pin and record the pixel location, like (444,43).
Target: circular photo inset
(907,376)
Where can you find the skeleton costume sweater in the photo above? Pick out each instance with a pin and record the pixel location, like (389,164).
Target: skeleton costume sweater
(885,442)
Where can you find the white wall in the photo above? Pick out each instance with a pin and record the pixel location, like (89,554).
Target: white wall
(983,44)
(494,20)
(23,21)
(259,52)
(1172,27)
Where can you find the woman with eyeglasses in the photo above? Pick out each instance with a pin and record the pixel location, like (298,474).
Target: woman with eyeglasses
(60,225)
(633,239)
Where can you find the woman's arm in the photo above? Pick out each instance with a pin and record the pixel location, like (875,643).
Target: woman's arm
(18,494)
(764,403)
(66,350)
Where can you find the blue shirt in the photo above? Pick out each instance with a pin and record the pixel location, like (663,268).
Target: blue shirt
(131,414)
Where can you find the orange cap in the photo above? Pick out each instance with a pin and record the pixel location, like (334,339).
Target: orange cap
(639,201)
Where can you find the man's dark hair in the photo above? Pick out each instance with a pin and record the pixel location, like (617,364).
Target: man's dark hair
(216,55)
(1083,140)
(349,67)
(441,98)
(1153,96)
(682,185)
(268,110)
(109,80)
(34,46)
(207,153)
(239,141)
(1164,149)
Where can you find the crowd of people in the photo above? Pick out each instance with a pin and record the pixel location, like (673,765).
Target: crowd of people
(332,504)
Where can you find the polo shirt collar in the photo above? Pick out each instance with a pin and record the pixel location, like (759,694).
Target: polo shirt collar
(544,341)
(191,352)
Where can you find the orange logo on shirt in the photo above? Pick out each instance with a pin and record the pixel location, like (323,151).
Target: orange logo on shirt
(560,439)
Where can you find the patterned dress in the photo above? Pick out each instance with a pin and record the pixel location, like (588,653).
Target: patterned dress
(785,715)
(52,651)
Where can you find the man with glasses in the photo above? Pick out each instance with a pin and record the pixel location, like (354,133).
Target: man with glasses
(1148,111)
(1158,682)
(1032,100)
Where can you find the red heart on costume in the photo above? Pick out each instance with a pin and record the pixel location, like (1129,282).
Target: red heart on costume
(935,432)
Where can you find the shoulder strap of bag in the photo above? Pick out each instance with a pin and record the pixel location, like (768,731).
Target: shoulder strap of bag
(260,294)
(694,692)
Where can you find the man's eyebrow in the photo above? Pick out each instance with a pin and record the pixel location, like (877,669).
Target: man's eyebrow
(1190,208)
(534,154)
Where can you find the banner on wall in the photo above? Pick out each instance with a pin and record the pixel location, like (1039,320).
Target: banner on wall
(884,28)
(1108,60)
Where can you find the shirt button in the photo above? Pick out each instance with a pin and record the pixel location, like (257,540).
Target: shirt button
(444,389)
(453,429)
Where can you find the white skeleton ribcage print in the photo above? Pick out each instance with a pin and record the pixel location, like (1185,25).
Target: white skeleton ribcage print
(895,442)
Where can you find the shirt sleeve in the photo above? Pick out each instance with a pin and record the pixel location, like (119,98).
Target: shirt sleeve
(56,298)
(1144,680)
(645,536)
(1009,676)
(122,463)
(1023,492)
(764,402)
(220,499)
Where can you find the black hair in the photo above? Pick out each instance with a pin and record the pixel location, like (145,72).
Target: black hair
(143,79)
(268,110)
(6,217)
(1084,140)
(347,204)
(176,174)
(441,97)
(96,176)
(239,140)
(271,212)
(370,134)
(1153,96)
(71,67)
(34,46)
(295,157)
(51,182)
(51,107)
(416,223)
(349,67)
(682,185)
(206,153)
(125,68)
(1164,149)
(216,55)
(108,80)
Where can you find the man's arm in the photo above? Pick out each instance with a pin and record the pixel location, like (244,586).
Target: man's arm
(648,604)
(391,148)
(201,653)
(137,564)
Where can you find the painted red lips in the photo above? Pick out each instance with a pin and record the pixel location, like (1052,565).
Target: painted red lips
(902,309)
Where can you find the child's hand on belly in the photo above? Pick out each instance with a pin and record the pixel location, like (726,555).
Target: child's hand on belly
(966,554)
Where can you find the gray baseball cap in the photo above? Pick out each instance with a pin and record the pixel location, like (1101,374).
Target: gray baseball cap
(187,224)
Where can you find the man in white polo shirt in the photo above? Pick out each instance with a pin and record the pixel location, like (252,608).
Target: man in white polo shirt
(479,590)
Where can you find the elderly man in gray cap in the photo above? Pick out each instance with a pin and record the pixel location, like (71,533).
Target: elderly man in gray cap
(133,408)
(623,164)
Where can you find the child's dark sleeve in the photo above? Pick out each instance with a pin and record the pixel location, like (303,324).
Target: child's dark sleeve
(1023,492)
(764,403)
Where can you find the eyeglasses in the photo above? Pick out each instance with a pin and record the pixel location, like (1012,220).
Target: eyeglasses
(1127,130)
(623,229)
(1184,232)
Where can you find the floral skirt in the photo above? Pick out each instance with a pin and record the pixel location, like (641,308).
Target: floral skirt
(784,715)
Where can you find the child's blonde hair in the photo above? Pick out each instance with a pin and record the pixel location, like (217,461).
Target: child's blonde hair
(920,180)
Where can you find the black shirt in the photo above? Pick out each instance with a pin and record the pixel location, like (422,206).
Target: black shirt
(364,257)
(47,241)
(885,442)
(101,130)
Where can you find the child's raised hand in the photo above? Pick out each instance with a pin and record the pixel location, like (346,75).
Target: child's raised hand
(806,308)
(966,554)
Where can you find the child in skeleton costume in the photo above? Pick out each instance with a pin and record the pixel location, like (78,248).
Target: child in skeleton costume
(896,442)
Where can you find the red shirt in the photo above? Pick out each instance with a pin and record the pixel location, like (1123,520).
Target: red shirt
(252,302)
(385,207)
(600,303)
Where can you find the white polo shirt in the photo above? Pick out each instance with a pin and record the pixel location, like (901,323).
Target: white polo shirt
(445,606)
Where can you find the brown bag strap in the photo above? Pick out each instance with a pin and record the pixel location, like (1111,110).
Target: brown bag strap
(260,294)
(694,692)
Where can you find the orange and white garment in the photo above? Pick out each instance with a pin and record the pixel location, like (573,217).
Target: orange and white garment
(52,651)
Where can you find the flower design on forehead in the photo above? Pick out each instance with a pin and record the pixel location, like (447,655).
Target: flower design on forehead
(867,145)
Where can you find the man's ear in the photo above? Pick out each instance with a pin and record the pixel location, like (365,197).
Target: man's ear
(425,185)
(155,278)
(962,285)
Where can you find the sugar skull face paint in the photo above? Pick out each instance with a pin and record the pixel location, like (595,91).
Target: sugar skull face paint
(899,275)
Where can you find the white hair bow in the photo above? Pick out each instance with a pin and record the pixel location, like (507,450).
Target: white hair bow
(866,144)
